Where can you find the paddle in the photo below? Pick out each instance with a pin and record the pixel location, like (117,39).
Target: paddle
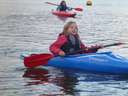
(35,60)
(77,9)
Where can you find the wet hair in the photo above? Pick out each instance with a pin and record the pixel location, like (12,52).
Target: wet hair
(66,26)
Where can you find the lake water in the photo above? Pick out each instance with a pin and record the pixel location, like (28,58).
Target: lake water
(29,26)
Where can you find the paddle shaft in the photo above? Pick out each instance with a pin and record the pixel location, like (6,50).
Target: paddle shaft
(82,50)
(114,44)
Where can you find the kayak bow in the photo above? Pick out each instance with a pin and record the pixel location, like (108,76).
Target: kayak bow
(105,62)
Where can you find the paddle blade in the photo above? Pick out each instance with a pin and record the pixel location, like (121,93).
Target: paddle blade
(37,60)
(51,3)
(78,9)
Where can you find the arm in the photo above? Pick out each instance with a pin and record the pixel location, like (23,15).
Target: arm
(94,48)
(55,48)
(69,9)
(58,8)
(82,45)
(91,49)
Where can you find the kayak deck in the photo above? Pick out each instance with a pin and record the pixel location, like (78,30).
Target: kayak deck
(64,14)
(105,62)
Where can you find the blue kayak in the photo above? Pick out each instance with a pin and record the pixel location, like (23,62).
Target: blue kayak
(104,62)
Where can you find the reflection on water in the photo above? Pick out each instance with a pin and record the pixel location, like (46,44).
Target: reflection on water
(62,18)
(38,76)
(42,76)
(73,83)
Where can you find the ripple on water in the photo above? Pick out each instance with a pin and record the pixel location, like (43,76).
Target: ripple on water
(24,28)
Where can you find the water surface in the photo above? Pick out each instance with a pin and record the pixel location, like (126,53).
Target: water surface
(29,26)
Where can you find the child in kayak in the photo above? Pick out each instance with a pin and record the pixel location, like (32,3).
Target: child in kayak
(63,6)
(69,41)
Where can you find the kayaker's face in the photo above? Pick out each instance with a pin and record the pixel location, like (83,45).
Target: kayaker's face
(72,29)
(63,3)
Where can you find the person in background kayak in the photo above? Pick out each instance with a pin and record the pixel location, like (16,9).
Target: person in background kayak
(69,41)
(63,6)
